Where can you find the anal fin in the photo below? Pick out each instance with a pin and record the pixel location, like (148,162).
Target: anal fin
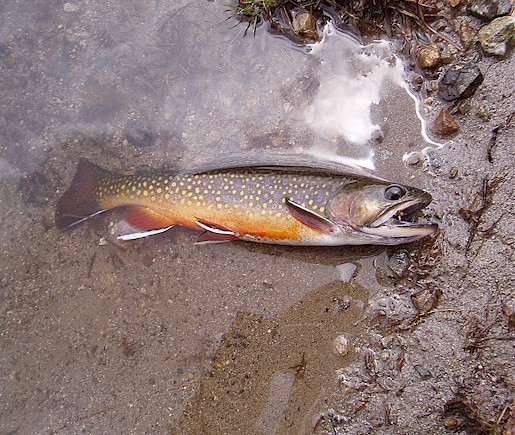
(309,218)
(215,233)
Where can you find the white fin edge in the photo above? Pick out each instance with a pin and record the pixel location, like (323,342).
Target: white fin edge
(142,234)
(216,230)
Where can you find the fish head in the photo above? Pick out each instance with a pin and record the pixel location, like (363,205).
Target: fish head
(382,213)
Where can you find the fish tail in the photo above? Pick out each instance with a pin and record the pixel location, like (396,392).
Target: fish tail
(80,201)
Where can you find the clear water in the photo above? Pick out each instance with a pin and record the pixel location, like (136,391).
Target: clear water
(97,335)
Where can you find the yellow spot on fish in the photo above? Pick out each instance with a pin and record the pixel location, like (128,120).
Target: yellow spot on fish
(188,202)
(219,206)
(322,209)
(144,184)
(145,193)
(159,190)
(174,184)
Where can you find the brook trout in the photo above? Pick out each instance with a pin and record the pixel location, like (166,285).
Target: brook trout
(281,205)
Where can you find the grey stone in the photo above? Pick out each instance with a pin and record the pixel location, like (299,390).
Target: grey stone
(459,81)
(497,36)
(489,9)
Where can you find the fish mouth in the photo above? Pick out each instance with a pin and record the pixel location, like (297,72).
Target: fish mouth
(401,220)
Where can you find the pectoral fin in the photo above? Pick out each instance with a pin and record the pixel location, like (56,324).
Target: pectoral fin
(309,218)
(214,233)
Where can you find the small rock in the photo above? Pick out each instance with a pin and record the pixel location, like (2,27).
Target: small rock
(453,173)
(427,299)
(467,34)
(423,372)
(454,3)
(459,81)
(451,422)
(70,7)
(342,345)
(414,159)
(385,355)
(304,23)
(429,57)
(484,9)
(509,312)
(483,112)
(346,271)
(497,36)
(489,9)
(444,124)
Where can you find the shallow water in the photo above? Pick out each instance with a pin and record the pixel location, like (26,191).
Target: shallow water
(98,335)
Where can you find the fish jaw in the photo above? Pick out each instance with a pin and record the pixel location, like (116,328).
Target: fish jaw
(391,223)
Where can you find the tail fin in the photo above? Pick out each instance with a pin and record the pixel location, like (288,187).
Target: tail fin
(80,201)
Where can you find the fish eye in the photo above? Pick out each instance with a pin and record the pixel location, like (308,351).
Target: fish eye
(394,192)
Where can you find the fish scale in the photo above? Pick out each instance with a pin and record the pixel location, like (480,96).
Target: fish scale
(242,198)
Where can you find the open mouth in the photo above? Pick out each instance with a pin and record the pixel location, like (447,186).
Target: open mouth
(403,220)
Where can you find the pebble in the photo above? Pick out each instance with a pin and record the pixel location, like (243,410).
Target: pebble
(497,36)
(444,124)
(489,9)
(427,299)
(304,23)
(429,57)
(342,345)
(468,35)
(459,81)
(483,112)
(70,7)
(346,271)
(423,371)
